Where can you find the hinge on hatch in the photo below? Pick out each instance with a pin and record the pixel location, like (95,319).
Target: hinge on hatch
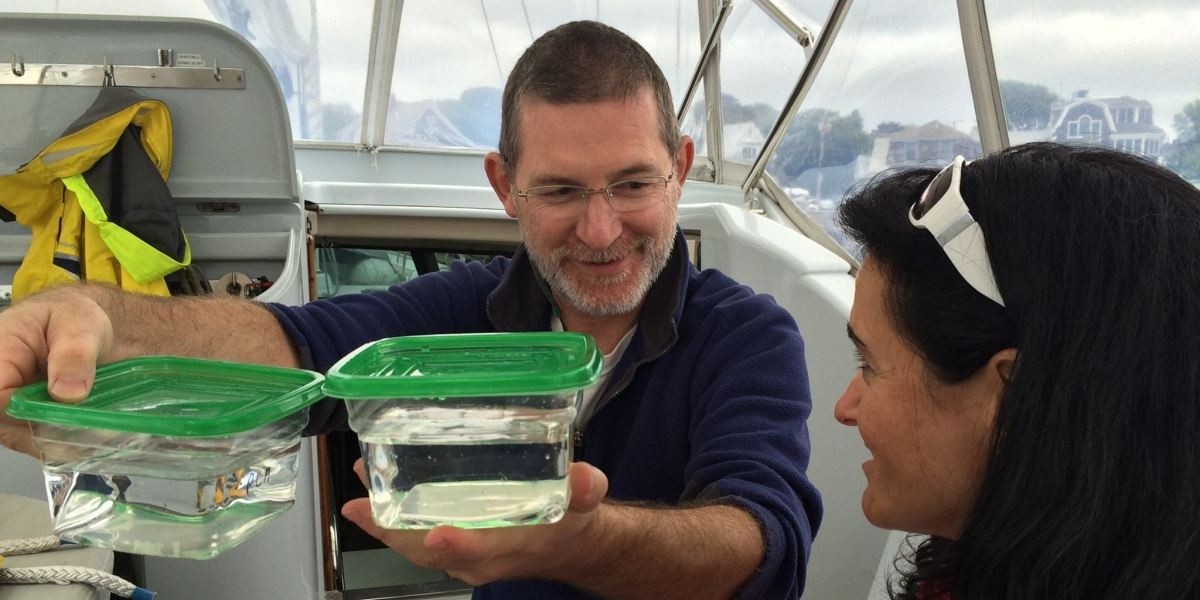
(218,207)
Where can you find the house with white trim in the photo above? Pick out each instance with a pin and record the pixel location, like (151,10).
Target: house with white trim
(743,141)
(1122,123)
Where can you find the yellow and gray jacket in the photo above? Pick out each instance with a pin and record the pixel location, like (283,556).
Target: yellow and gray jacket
(97,203)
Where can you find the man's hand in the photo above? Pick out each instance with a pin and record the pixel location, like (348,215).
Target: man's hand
(58,336)
(479,556)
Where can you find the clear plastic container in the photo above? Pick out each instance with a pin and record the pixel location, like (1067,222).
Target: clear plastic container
(171,456)
(470,430)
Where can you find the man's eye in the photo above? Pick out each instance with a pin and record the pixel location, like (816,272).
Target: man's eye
(634,187)
(563,192)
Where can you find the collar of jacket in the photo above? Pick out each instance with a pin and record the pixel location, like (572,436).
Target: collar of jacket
(522,301)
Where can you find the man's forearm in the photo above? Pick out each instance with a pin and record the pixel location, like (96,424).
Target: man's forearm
(631,552)
(218,327)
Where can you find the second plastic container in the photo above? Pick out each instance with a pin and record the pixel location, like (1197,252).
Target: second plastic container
(470,430)
(171,456)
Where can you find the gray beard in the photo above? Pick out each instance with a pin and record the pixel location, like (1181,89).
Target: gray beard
(570,290)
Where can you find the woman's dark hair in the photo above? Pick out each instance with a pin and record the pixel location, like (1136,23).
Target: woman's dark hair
(1092,483)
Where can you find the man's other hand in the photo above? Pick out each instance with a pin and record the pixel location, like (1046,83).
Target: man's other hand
(479,556)
(58,336)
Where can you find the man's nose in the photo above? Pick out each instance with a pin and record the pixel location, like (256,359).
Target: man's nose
(599,224)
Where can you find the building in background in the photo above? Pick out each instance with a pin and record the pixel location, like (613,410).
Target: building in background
(1122,123)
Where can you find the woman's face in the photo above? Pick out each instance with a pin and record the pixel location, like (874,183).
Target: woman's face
(928,440)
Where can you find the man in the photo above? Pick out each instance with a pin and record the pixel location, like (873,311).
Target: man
(691,478)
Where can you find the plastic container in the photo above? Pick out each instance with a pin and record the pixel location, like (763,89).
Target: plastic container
(171,456)
(470,430)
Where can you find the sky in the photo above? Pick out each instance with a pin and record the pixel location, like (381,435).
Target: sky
(898,60)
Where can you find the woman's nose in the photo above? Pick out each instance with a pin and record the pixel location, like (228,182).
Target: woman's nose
(846,409)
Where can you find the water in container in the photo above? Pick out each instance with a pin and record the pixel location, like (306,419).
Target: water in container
(184,516)
(171,457)
(467,467)
(470,431)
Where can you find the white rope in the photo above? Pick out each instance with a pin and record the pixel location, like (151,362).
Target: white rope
(68,575)
(61,575)
(28,545)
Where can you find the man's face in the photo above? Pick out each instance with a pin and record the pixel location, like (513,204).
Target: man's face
(599,260)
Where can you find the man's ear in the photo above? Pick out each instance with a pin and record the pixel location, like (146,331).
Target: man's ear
(496,170)
(683,158)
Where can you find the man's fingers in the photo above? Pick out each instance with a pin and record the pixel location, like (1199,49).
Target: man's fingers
(22,350)
(76,340)
(18,437)
(59,335)
(406,542)
(359,513)
(463,545)
(360,470)
(589,486)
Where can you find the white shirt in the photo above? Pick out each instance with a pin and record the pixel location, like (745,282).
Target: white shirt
(588,403)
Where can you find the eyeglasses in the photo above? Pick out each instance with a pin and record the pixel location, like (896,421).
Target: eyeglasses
(943,212)
(624,196)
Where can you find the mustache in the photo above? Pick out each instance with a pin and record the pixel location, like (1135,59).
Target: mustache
(618,250)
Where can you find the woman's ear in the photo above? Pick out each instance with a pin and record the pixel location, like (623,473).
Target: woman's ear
(1001,365)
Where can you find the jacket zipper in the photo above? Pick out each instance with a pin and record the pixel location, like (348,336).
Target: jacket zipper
(577,438)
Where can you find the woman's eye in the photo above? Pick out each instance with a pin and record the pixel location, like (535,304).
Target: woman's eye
(863,365)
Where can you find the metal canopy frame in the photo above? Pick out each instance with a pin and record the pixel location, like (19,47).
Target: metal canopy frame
(799,92)
(713,15)
(981,71)
(381,64)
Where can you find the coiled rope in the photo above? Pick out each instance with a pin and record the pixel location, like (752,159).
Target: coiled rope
(62,575)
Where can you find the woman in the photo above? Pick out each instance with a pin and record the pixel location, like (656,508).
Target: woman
(1030,379)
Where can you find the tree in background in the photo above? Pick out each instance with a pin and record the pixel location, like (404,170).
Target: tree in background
(340,122)
(820,137)
(476,113)
(887,128)
(733,111)
(1026,105)
(1185,151)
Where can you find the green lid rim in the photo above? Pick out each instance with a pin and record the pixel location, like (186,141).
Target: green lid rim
(342,382)
(33,402)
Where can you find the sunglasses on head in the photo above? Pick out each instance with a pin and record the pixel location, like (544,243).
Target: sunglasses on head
(942,211)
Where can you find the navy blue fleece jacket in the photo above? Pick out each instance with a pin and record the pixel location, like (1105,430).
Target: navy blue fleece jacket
(707,405)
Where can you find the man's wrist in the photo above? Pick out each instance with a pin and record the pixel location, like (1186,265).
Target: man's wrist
(580,555)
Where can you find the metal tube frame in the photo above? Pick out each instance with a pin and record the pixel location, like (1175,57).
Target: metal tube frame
(981,72)
(803,85)
(708,70)
(794,28)
(711,41)
(385,34)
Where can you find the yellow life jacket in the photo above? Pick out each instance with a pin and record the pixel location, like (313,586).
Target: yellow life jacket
(97,202)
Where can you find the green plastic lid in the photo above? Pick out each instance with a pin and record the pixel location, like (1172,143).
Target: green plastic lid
(466,365)
(173,396)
